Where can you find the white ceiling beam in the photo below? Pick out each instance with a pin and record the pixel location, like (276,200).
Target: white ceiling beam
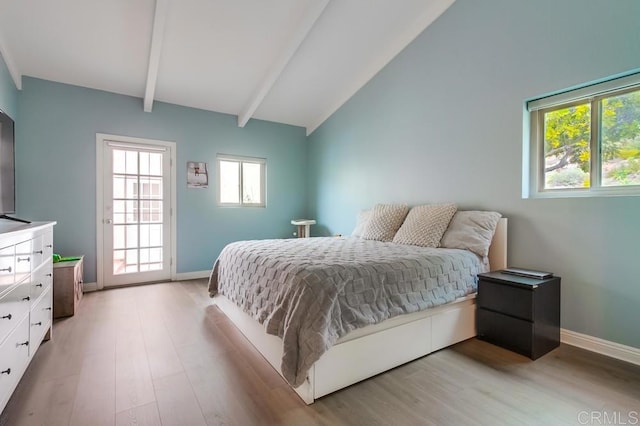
(306,24)
(157,36)
(435,9)
(11,66)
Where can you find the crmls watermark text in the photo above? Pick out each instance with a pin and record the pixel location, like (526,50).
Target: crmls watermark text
(608,418)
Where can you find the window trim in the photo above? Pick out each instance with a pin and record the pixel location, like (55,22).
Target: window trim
(241,160)
(534,111)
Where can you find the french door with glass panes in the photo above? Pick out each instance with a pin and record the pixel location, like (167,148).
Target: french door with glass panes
(136,213)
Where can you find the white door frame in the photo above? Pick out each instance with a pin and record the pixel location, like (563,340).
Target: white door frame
(100,141)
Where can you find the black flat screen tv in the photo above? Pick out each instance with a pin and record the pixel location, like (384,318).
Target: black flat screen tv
(7,165)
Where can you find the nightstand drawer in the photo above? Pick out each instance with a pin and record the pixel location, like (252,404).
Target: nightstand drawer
(506,331)
(506,299)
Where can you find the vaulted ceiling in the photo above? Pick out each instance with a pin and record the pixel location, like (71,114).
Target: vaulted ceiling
(288,61)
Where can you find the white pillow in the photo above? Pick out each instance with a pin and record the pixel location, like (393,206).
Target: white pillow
(471,230)
(384,221)
(361,222)
(425,225)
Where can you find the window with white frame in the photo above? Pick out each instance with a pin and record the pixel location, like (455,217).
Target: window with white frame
(241,181)
(586,141)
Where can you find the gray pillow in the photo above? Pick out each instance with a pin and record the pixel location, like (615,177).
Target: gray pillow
(471,230)
(361,222)
(384,221)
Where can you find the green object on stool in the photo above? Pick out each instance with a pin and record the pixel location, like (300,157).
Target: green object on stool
(57,258)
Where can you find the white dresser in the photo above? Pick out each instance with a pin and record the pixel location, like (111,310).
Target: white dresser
(26,276)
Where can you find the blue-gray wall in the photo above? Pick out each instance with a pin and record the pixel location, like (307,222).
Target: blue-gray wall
(443,122)
(56,177)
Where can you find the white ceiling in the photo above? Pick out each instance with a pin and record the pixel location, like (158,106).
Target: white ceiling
(288,61)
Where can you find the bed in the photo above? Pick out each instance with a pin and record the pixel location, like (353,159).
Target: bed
(327,331)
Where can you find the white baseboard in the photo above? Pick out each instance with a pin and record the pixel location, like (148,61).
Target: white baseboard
(601,346)
(192,275)
(87,287)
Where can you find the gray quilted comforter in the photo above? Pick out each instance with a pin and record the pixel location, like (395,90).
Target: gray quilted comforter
(312,291)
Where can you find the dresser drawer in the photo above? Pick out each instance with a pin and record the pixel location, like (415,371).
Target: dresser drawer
(24,257)
(26,288)
(42,249)
(506,299)
(7,267)
(47,244)
(40,320)
(14,356)
(41,280)
(13,307)
(506,331)
(37,252)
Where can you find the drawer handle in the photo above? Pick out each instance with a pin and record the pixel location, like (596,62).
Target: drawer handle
(25,343)
(23,259)
(48,275)
(49,246)
(7,371)
(47,309)
(8,316)
(39,285)
(37,252)
(26,298)
(8,269)
(37,323)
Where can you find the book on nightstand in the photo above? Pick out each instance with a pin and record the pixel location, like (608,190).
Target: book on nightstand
(541,275)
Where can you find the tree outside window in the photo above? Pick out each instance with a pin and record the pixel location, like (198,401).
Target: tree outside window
(592,143)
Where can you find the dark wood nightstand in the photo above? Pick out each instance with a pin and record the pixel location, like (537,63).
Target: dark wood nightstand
(518,313)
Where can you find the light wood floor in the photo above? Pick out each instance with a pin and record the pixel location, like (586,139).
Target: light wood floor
(162,354)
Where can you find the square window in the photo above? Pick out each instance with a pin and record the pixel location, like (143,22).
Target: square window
(241,181)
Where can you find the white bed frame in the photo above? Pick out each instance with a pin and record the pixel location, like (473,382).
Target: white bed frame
(377,348)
